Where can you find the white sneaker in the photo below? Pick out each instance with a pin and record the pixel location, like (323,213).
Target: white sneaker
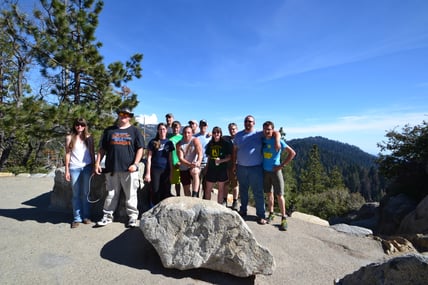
(132,223)
(107,219)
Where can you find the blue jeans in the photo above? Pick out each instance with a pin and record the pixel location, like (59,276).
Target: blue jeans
(251,176)
(80,186)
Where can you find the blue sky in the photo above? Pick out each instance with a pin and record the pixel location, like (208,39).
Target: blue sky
(344,70)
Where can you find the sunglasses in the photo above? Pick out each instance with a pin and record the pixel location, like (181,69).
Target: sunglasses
(123,114)
(80,125)
(249,121)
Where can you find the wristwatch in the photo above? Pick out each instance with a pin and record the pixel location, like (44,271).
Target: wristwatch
(136,165)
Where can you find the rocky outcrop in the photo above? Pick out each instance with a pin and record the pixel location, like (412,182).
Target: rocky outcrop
(353,230)
(310,218)
(392,211)
(60,198)
(191,233)
(403,270)
(416,222)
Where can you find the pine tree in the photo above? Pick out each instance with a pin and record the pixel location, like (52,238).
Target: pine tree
(313,178)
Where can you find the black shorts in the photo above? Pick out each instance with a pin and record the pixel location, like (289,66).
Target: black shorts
(216,174)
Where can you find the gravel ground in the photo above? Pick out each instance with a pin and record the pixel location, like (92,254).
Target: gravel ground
(38,247)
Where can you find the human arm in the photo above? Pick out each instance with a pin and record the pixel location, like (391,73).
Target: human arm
(67,157)
(138,155)
(100,156)
(290,156)
(277,136)
(147,177)
(199,153)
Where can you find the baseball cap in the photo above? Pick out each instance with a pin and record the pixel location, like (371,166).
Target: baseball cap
(169,115)
(193,122)
(203,123)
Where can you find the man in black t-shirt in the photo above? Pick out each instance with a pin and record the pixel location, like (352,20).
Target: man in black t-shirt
(122,145)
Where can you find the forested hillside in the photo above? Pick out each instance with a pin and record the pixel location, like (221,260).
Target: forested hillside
(358,168)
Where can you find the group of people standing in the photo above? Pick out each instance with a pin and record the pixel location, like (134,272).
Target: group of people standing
(197,160)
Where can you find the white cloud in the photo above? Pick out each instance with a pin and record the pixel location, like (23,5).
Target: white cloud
(147,119)
(368,122)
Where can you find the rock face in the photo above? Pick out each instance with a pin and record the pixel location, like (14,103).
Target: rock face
(192,233)
(310,219)
(409,269)
(392,211)
(416,222)
(61,195)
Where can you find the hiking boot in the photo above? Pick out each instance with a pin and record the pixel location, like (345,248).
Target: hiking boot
(284,225)
(107,219)
(132,223)
(270,218)
(224,203)
(235,206)
(74,225)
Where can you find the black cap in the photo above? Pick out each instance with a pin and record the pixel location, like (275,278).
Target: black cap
(203,123)
(125,110)
(169,115)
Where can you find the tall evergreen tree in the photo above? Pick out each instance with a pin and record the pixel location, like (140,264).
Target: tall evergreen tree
(313,177)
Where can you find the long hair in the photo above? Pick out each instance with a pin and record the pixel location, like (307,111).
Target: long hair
(156,141)
(74,133)
(216,129)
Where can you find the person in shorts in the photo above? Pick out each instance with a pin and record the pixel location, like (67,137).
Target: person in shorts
(218,152)
(273,180)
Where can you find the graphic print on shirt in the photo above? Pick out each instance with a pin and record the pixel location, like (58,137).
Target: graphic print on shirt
(120,139)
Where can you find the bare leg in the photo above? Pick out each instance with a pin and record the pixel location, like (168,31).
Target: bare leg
(270,202)
(208,189)
(186,189)
(281,204)
(195,183)
(221,190)
(177,189)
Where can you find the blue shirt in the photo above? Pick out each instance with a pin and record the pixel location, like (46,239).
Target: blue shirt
(249,148)
(271,157)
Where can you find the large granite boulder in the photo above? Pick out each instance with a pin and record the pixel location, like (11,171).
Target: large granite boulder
(392,211)
(416,222)
(60,198)
(404,270)
(193,233)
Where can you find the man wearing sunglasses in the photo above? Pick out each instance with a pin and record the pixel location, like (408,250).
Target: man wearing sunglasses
(248,159)
(122,145)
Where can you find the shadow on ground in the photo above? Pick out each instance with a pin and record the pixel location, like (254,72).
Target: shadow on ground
(40,213)
(132,249)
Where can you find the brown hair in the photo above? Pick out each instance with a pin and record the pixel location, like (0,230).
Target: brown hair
(74,134)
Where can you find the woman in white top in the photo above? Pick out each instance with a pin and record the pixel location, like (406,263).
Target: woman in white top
(79,161)
(189,151)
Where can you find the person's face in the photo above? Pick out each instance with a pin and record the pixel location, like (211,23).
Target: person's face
(203,128)
(232,130)
(216,135)
(268,131)
(124,117)
(80,127)
(194,126)
(187,134)
(249,123)
(176,129)
(169,120)
(162,132)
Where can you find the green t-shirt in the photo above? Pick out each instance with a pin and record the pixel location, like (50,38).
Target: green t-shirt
(175,139)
